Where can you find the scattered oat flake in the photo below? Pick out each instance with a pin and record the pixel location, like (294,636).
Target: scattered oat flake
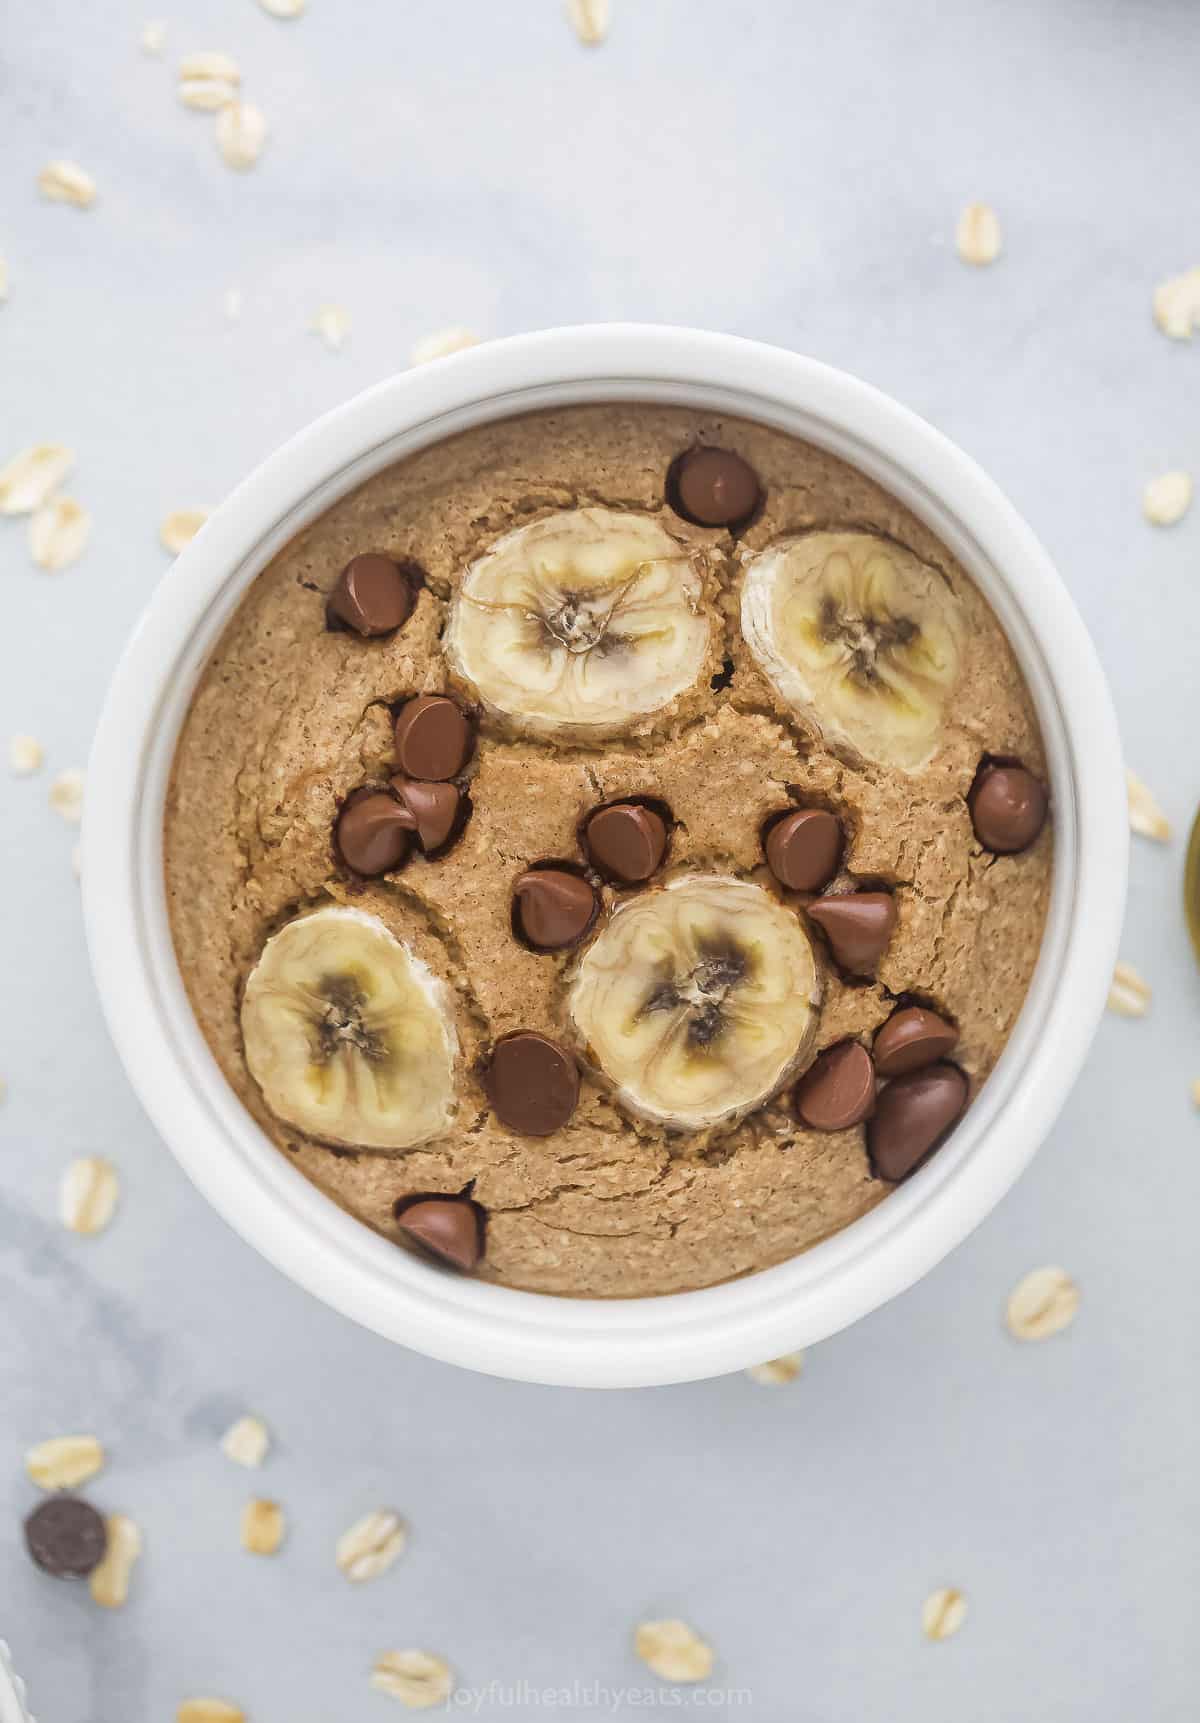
(209,1711)
(210,64)
(1146,818)
(25,755)
(1196,1092)
(246,1441)
(67,182)
(978,234)
(241,134)
(87,1196)
(441,344)
(943,1613)
(66,795)
(64,1462)
(180,527)
(109,1583)
(58,533)
(590,20)
(154,37)
(263,1527)
(33,476)
(332,324)
(673,1651)
(1177,305)
(207,95)
(371,1545)
(776,1371)
(1166,499)
(1042,1304)
(231,304)
(1129,995)
(417,1679)
(283,8)
(208,81)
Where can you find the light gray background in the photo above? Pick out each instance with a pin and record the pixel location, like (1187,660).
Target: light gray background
(788,171)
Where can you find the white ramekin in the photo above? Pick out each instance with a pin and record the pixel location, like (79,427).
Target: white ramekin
(524,1335)
(12,1691)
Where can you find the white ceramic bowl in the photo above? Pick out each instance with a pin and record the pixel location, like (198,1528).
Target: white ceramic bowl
(525,1335)
(12,1691)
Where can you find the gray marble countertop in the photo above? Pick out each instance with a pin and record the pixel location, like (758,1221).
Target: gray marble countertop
(783,171)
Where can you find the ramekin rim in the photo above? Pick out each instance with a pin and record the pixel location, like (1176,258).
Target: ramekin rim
(536,1336)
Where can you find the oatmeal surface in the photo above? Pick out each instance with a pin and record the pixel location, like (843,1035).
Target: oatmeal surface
(291,717)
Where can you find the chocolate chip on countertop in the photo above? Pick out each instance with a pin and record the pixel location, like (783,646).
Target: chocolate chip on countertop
(858,927)
(532,1083)
(554,908)
(838,1089)
(433,738)
(804,849)
(910,1039)
(626,841)
(450,1227)
(66,1537)
(1008,807)
(714,487)
(912,1115)
(373,833)
(432,808)
(373,596)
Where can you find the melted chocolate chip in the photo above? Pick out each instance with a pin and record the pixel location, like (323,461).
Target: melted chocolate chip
(433,738)
(858,927)
(451,1228)
(804,849)
(838,1089)
(910,1039)
(532,1083)
(434,809)
(553,908)
(373,833)
(713,487)
(373,596)
(1008,807)
(626,841)
(912,1116)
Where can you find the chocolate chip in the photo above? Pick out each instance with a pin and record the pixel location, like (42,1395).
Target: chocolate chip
(532,1083)
(838,1090)
(434,809)
(713,487)
(910,1039)
(373,596)
(450,1227)
(66,1537)
(373,833)
(1008,807)
(912,1115)
(804,849)
(554,908)
(858,927)
(433,738)
(626,841)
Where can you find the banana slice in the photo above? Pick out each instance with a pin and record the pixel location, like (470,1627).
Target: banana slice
(859,635)
(697,1001)
(349,1035)
(582,622)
